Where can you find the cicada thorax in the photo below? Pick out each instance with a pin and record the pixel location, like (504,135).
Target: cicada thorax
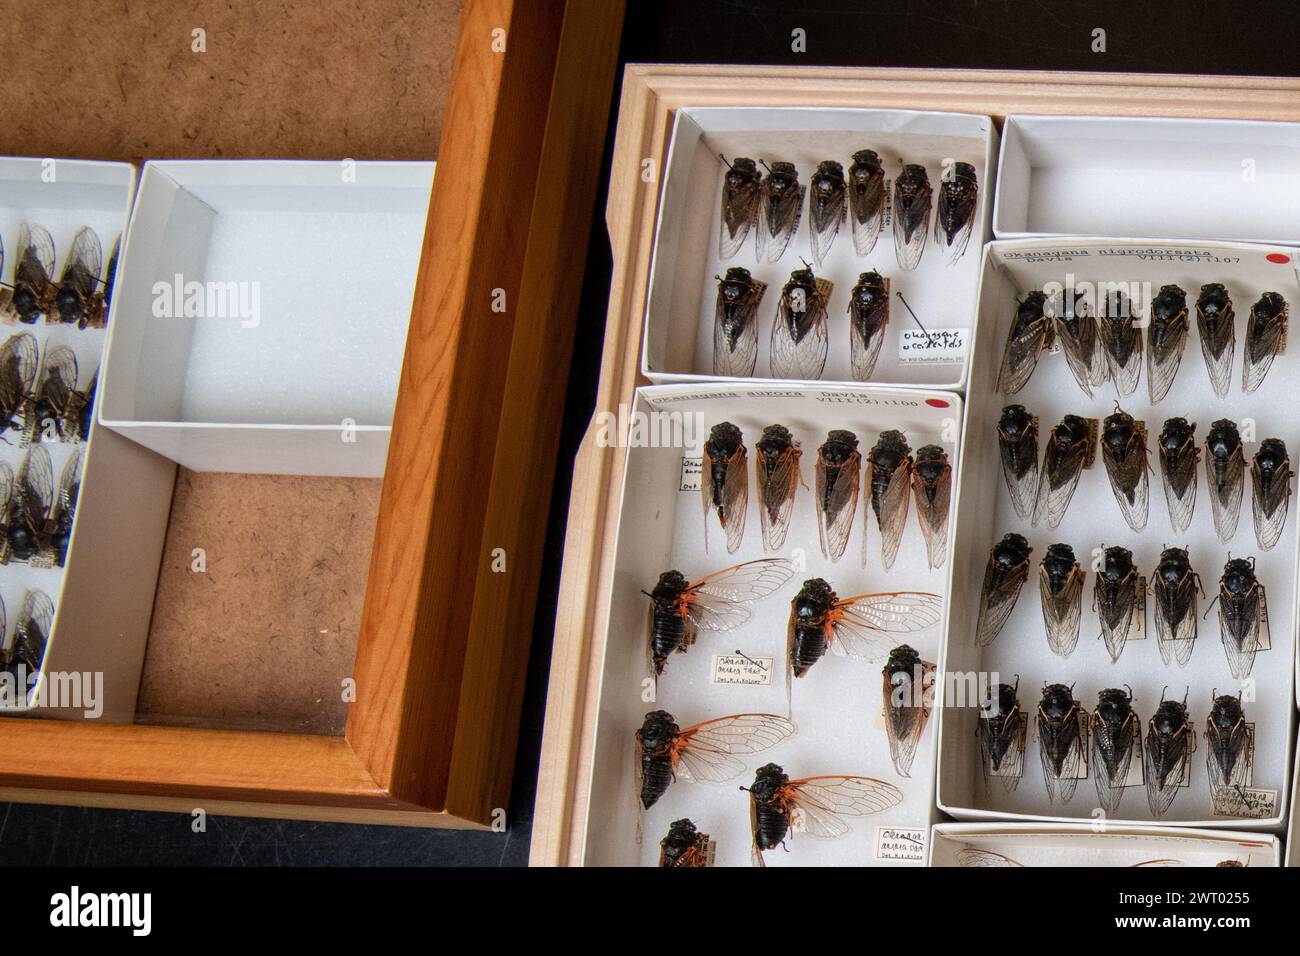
(868,318)
(866,187)
(811,621)
(1018,449)
(1216,329)
(1031,332)
(1270,475)
(955,209)
(1124,452)
(740,195)
(1166,338)
(655,742)
(684,846)
(1266,336)
(911,212)
(1225,465)
(670,628)
(1060,582)
(771,815)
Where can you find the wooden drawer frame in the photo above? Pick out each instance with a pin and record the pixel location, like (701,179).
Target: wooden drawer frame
(444,641)
(651,95)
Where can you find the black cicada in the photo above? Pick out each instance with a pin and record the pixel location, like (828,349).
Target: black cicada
(702,752)
(906,696)
(1075,328)
(1121,340)
(1179,457)
(1119,596)
(912,192)
(868,319)
(1266,332)
(932,488)
(1001,736)
(735,323)
(1062,729)
(1215,325)
(812,805)
(60,407)
(1170,740)
(78,298)
(826,207)
(1270,480)
(1243,615)
(838,476)
(1174,587)
(1124,453)
(1225,472)
(20,358)
(1060,586)
(799,335)
(889,479)
(1031,332)
(741,190)
(34,291)
(780,207)
(1018,449)
(716,602)
(958,199)
(31,635)
(776,473)
(866,199)
(1166,337)
(685,847)
(725,482)
(1116,735)
(40,522)
(1230,748)
(1071,447)
(1007,571)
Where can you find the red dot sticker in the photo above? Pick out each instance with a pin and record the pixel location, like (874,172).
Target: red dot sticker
(1281,258)
(936,403)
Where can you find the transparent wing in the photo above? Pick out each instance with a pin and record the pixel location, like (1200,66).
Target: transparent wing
(1122,343)
(824,220)
(1218,341)
(866,212)
(821,801)
(35,486)
(1062,612)
(84,263)
(1020,357)
(1020,471)
(1243,630)
(997,599)
(1178,475)
(20,358)
(1083,352)
(905,723)
(777,223)
(837,504)
(1128,480)
(932,504)
(1164,767)
(802,356)
(1164,355)
(1057,482)
(1176,620)
(1265,339)
(706,751)
(911,227)
(742,583)
(36,256)
(866,336)
(739,215)
(979,858)
(1226,492)
(1112,756)
(892,517)
(735,336)
(1122,615)
(1011,766)
(1073,747)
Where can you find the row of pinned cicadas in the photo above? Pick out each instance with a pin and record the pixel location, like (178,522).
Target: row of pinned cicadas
(1109,346)
(771,206)
(82,293)
(1074,744)
(894,478)
(1042,495)
(22,652)
(1120,600)
(40,397)
(800,339)
(35,514)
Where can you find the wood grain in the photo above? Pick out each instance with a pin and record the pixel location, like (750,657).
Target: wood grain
(651,95)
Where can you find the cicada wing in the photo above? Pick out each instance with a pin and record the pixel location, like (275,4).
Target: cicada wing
(906,718)
(778,220)
(1176,619)
(35,486)
(971,857)
(1122,344)
(998,598)
(895,612)
(1057,482)
(911,229)
(776,492)
(1244,631)
(1010,767)
(837,504)
(891,519)
(1083,352)
(1269,503)
(1226,491)
(866,212)
(824,224)
(866,336)
(821,801)
(735,496)
(1218,341)
(1020,471)
(735,335)
(743,583)
(1178,475)
(706,751)
(1265,341)
(1229,758)
(1068,749)
(1123,615)
(84,263)
(1164,356)
(35,265)
(1112,756)
(801,355)
(932,503)
(20,358)
(1164,768)
(1020,357)
(1128,480)
(739,215)
(1062,612)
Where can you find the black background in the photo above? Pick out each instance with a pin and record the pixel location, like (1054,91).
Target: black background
(1194,36)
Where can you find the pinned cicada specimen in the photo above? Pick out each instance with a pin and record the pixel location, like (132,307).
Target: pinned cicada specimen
(827,203)
(1124,453)
(1270,481)
(1225,472)
(20,358)
(1071,447)
(932,488)
(776,474)
(861,626)
(78,298)
(741,191)
(61,407)
(1031,332)
(1215,325)
(679,610)
(40,523)
(1075,328)
(779,208)
(1243,615)
(973,857)
(1174,587)
(1170,741)
(702,752)
(868,319)
(838,476)
(1062,728)
(33,292)
(912,192)
(1116,734)
(1018,449)
(1001,736)
(1166,337)
(1179,457)
(31,635)
(811,805)
(1121,341)
(866,199)
(889,479)
(1007,571)
(725,482)
(799,335)
(1120,598)
(1230,747)
(958,200)
(1060,586)
(685,846)
(735,323)
(1266,332)
(110,276)
(906,696)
